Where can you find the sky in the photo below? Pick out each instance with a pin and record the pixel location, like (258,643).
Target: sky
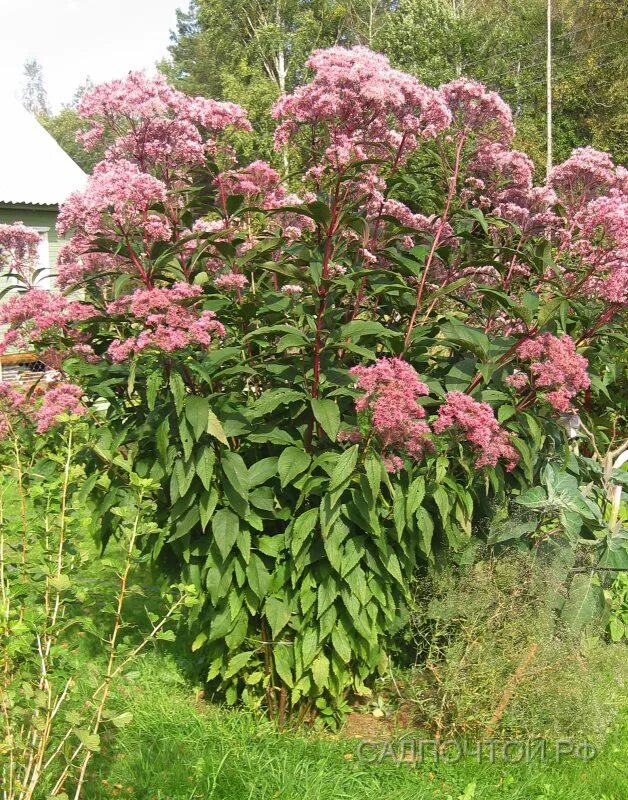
(76,39)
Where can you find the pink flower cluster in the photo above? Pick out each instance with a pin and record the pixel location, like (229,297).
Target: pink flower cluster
(167,320)
(555,365)
(38,314)
(476,421)
(18,249)
(500,181)
(63,398)
(158,127)
(391,389)
(117,193)
(476,110)
(255,180)
(586,174)
(12,401)
(231,281)
(361,106)
(602,245)
(260,183)
(43,406)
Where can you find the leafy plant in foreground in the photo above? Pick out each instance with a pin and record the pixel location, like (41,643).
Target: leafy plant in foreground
(334,385)
(53,710)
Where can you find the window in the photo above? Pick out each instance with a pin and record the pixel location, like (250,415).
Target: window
(43,276)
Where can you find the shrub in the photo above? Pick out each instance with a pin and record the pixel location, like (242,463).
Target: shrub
(494,659)
(331,375)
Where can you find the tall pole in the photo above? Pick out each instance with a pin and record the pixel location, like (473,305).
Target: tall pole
(549,86)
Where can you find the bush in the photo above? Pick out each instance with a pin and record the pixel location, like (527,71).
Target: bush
(494,658)
(330,386)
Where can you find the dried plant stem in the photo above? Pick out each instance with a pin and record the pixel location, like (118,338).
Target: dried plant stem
(511,688)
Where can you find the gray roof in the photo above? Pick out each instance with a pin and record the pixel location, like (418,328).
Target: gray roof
(34,169)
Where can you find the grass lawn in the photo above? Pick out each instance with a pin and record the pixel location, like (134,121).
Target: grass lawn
(180,748)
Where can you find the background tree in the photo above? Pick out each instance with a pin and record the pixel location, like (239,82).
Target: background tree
(250,53)
(34,95)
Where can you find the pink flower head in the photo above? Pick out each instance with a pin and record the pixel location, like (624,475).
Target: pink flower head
(13,400)
(258,179)
(556,366)
(37,314)
(586,174)
(63,398)
(476,421)
(601,244)
(479,111)
(166,319)
(231,281)
(518,380)
(390,389)
(360,106)
(18,249)
(117,194)
(292,289)
(157,126)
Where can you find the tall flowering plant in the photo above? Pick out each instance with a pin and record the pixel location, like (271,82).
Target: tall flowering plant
(333,375)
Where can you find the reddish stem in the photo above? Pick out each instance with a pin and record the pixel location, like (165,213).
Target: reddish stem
(436,241)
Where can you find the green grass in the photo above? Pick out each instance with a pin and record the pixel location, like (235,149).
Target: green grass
(177,748)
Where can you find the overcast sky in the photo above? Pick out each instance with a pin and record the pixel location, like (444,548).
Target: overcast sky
(74,39)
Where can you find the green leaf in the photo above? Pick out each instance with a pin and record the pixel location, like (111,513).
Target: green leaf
(547,311)
(327,593)
(207,505)
(177,387)
(236,473)
(471,339)
(153,384)
(358,328)
(225,527)
(197,413)
(205,460)
(441,498)
(585,602)
(262,470)
(373,469)
(320,671)
(283,664)
(426,531)
(535,497)
(90,741)
(309,646)
(415,495)
(238,662)
(341,644)
(344,468)
(199,642)
(273,398)
(301,529)
(292,462)
(215,429)
(258,576)
(278,614)
(61,583)
(327,414)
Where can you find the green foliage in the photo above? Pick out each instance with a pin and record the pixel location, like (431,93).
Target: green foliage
(232,52)
(494,657)
(54,707)
(618,613)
